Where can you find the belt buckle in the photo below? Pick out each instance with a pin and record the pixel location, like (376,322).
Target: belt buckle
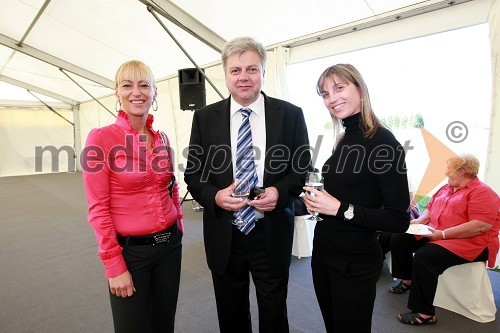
(162,238)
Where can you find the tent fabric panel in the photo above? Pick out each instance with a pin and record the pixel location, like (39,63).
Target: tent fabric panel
(143,36)
(9,91)
(93,115)
(38,73)
(20,14)
(379,7)
(466,14)
(21,132)
(5,54)
(492,176)
(281,17)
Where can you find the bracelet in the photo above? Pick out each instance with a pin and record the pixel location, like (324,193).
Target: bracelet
(443,234)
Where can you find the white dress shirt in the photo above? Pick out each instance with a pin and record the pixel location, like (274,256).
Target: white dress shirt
(258,127)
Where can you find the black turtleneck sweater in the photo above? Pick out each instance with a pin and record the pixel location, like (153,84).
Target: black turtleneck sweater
(371,175)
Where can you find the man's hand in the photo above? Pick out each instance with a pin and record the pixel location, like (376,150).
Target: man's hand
(122,285)
(224,199)
(266,201)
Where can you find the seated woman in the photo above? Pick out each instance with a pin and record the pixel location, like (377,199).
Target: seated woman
(460,216)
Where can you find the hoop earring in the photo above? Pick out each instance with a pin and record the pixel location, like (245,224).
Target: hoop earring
(118,105)
(155,108)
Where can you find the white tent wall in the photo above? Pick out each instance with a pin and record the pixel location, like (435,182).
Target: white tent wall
(93,115)
(467,14)
(492,175)
(23,132)
(455,17)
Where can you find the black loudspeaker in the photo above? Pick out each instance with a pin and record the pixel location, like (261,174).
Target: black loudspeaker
(191,89)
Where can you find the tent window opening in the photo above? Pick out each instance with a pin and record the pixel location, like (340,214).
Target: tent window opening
(441,81)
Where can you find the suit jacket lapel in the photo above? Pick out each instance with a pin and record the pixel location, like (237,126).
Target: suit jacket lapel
(223,137)
(274,122)
(222,120)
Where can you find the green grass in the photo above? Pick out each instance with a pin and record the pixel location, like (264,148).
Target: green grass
(422,203)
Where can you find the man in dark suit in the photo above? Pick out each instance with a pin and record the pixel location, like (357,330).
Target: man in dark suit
(281,155)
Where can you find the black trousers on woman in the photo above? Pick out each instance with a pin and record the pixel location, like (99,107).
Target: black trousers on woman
(156,273)
(345,286)
(423,268)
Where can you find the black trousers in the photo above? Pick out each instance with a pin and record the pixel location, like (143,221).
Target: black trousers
(422,263)
(345,286)
(156,272)
(249,256)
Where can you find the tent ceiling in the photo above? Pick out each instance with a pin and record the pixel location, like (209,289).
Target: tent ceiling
(88,39)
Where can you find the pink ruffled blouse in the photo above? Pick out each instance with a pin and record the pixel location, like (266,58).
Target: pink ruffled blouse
(126,188)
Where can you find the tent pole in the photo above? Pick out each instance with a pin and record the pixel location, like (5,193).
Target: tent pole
(75,157)
(69,77)
(51,109)
(151,10)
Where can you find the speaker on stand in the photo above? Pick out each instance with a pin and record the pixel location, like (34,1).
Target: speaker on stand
(191,89)
(192,97)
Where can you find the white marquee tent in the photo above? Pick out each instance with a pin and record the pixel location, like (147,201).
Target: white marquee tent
(62,55)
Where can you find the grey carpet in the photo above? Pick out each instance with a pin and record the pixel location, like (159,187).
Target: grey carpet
(51,279)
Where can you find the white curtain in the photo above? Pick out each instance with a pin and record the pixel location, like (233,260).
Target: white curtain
(276,72)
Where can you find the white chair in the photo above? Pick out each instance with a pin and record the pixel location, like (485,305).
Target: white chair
(388,261)
(466,290)
(303,236)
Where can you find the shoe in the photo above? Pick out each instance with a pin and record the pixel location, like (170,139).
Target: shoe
(414,318)
(401,288)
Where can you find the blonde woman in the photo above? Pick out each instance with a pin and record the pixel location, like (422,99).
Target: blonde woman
(136,217)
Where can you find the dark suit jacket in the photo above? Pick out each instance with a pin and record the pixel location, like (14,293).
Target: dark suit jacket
(209,169)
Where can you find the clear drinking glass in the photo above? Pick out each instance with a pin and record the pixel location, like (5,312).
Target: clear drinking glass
(242,190)
(314,180)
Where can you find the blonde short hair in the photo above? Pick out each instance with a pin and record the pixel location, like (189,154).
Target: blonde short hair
(467,163)
(134,70)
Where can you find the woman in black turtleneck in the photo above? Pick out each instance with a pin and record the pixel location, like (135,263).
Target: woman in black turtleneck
(366,190)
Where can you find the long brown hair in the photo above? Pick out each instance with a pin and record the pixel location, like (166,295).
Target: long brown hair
(347,73)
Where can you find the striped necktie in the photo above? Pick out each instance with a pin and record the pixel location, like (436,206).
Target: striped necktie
(245,168)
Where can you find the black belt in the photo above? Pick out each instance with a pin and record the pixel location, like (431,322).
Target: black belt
(157,238)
